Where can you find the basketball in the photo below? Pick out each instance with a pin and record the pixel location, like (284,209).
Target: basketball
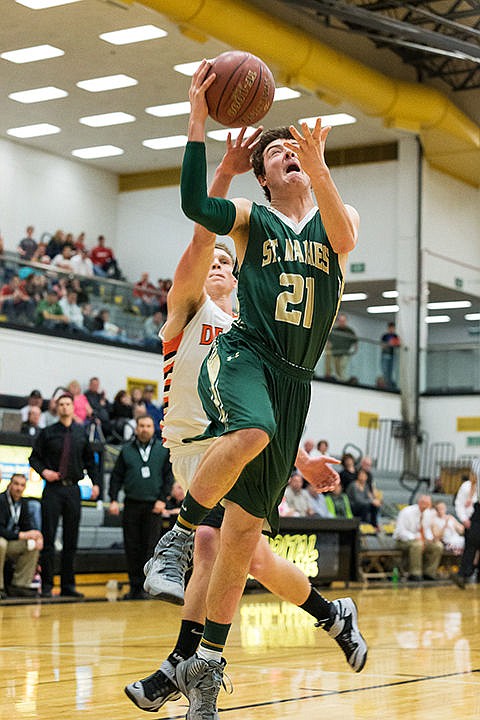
(242,92)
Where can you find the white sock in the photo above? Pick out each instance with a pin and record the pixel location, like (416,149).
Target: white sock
(207,654)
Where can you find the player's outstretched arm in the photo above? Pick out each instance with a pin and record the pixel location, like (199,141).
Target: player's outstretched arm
(341,221)
(216,214)
(187,292)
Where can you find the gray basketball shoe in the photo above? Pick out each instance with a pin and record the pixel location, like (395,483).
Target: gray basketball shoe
(200,680)
(343,628)
(165,571)
(155,690)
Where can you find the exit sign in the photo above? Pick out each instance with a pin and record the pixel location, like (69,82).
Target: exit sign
(458,282)
(357,267)
(475,440)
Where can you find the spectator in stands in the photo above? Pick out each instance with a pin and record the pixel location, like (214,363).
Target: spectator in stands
(413,535)
(155,412)
(27,246)
(72,310)
(317,506)
(15,303)
(143,470)
(61,453)
(390,342)
(55,244)
(472,529)
(81,263)
(463,502)
(103,259)
(175,499)
(101,406)
(448,529)
(151,329)
(35,399)
(296,497)
(145,295)
(338,504)
(82,410)
(366,464)
(50,314)
(136,393)
(104,328)
(40,254)
(363,504)
(31,426)
(322,447)
(34,283)
(19,541)
(121,412)
(308,446)
(63,261)
(50,415)
(88,318)
(139,410)
(80,243)
(342,344)
(348,474)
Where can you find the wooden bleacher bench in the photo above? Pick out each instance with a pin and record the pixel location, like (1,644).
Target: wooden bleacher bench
(379,555)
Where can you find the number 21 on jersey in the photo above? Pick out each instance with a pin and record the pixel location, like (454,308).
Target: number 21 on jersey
(301,291)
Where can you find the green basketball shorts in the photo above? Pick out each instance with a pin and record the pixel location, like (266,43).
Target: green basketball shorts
(246,386)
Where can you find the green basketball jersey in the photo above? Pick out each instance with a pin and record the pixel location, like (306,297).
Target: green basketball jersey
(289,286)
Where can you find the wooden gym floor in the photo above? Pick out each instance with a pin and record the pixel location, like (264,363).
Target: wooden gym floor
(71,659)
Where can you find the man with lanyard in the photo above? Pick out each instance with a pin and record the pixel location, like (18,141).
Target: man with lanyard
(19,541)
(60,455)
(199,308)
(143,470)
(472,529)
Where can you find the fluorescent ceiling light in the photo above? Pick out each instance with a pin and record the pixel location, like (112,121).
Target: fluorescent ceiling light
(133,35)
(187,68)
(42,4)
(285,93)
(449,305)
(38,95)
(109,82)
(348,297)
(221,135)
(106,119)
(99,151)
(29,131)
(432,319)
(334,119)
(374,309)
(170,110)
(166,143)
(390,294)
(472,316)
(32,54)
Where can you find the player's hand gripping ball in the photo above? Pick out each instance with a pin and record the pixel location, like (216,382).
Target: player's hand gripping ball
(242,92)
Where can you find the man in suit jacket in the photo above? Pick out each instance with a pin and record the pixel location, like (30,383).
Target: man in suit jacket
(18,540)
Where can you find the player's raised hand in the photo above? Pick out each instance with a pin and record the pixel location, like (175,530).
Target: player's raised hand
(309,146)
(237,154)
(198,87)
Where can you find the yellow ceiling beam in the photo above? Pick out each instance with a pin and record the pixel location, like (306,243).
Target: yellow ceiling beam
(299,58)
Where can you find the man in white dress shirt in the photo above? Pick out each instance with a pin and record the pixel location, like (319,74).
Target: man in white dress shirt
(413,534)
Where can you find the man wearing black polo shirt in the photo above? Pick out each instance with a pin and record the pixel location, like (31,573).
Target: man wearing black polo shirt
(60,455)
(143,470)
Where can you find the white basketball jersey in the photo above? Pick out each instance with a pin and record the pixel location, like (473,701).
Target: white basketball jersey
(184,416)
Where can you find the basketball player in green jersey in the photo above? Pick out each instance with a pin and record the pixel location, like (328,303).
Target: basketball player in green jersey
(255,384)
